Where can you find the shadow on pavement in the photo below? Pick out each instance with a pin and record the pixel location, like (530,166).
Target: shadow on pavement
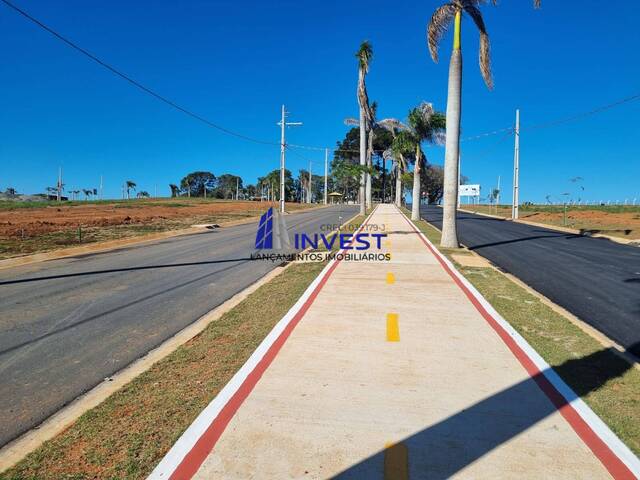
(127,269)
(113,310)
(524,239)
(445,448)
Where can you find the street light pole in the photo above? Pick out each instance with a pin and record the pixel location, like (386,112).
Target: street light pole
(516,169)
(326,173)
(283,124)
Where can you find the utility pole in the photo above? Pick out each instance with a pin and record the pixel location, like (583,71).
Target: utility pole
(101,196)
(283,124)
(326,173)
(237,184)
(59,189)
(516,169)
(310,197)
(498,195)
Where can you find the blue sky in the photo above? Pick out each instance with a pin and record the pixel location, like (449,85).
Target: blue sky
(237,62)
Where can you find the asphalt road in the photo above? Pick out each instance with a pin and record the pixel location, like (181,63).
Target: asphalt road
(595,279)
(67,324)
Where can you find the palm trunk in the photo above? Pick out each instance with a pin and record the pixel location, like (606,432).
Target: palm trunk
(384,180)
(363,152)
(415,203)
(369,165)
(450,197)
(399,183)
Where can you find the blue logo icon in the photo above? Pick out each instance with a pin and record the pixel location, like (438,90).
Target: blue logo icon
(272,232)
(264,237)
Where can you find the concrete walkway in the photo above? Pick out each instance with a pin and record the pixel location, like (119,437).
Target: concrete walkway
(397,370)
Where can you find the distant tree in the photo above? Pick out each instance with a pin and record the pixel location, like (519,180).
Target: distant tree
(11,192)
(271,184)
(175,190)
(143,194)
(250,192)
(95,192)
(130,185)
(196,183)
(52,191)
(87,193)
(227,184)
(432,181)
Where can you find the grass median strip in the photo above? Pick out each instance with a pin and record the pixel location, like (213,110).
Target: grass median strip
(557,340)
(127,435)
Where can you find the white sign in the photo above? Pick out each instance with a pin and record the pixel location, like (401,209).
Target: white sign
(469,190)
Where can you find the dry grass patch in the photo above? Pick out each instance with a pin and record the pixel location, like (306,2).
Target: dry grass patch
(605,381)
(128,434)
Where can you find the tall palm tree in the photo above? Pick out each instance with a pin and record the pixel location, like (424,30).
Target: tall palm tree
(371,126)
(394,126)
(364,55)
(425,125)
(440,21)
(130,185)
(402,148)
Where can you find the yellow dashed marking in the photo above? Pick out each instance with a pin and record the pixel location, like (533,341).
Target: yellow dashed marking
(393,329)
(396,461)
(391,279)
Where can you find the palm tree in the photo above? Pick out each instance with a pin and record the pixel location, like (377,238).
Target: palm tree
(130,186)
(425,125)
(394,126)
(364,55)
(403,147)
(440,21)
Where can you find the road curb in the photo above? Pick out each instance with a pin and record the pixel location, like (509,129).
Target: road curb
(102,247)
(17,449)
(592,332)
(192,448)
(606,446)
(623,241)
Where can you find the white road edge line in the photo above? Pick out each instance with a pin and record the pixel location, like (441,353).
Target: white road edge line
(192,434)
(597,425)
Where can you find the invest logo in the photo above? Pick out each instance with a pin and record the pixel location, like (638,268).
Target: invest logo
(272,232)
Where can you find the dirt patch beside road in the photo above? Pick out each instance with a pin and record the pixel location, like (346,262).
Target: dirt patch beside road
(615,220)
(25,230)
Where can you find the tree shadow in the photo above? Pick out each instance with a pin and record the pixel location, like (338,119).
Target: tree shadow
(97,316)
(445,448)
(126,269)
(524,239)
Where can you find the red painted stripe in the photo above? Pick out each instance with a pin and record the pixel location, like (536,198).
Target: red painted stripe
(203,447)
(600,449)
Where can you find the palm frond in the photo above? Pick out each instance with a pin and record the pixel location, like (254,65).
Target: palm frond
(485,46)
(364,55)
(438,25)
(351,121)
(392,125)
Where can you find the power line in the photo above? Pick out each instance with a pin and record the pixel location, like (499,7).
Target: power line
(578,116)
(132,81)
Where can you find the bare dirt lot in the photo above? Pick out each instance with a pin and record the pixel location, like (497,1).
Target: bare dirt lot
(615,220)
(27,229)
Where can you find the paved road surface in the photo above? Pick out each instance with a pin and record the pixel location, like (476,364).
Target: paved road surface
(595,279)
(67,324)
